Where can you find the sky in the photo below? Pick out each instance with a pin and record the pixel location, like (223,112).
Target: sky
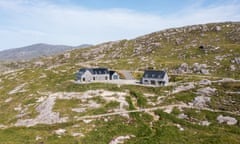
(76,22)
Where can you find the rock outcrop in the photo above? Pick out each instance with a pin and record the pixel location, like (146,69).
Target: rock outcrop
(229,120)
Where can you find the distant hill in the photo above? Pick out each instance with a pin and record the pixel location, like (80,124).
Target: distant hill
(35,51)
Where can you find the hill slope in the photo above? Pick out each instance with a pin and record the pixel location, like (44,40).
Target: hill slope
(41,103)
(205,49)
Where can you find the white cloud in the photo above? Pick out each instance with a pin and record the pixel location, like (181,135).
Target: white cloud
(33,21)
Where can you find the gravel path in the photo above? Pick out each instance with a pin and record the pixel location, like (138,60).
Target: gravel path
(127,74)
(152,109)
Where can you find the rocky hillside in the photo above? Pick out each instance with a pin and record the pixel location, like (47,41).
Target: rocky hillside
(212,49)
(41,103)
(35,51)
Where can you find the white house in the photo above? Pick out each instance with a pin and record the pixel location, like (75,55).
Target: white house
(96,74)
(155,77)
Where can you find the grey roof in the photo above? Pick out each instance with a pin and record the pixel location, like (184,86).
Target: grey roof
(155,74)
(95,70)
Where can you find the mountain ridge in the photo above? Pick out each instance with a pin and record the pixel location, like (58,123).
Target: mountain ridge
(35,51)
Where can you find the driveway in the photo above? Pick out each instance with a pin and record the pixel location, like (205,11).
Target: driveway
(127,74)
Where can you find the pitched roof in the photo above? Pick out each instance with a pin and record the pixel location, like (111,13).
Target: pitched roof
(99,71)
(154,74)
(95,70)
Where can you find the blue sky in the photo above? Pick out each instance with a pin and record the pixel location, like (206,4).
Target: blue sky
(75,22)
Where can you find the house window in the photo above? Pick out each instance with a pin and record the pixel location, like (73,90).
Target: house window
(83,79)
(153,82)
(115,77)
(94,78)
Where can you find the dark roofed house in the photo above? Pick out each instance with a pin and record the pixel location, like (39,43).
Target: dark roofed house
(155,77)
(95,74)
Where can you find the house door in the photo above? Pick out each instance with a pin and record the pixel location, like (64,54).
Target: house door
(115,77)
(153,82)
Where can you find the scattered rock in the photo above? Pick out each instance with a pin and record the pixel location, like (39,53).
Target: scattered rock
(38,63)
(87,121)
(2,126)
(227,80)
(207,91)
(205,28)
(43,76)
(77,135)
(38,138)
(237,60)
(168,110)
(79,110)
(204,71)
(60,131)
(41,99)
(209,48)
(232,68)
(227,119)
(180,127)
(19,108)
(183,88)
(120,139)
(219,58)
(201,101)
(183,68)
(205,82)
(155,117)
(8,100)
(200,68)
(205,123)
(93,104)
(178,41)
(182,116)
(67,55)
(217,28)
(196,68)
(18,89)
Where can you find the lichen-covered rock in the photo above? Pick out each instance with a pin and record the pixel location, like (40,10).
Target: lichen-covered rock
(205,82)
(200,68)
(183,88)
(183,68)
(205,123)
(227,119)
(217,28)
(232,68)
(182,116)
(207,91)
(60,131)
(237,60)
(200,101)
(120,139)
